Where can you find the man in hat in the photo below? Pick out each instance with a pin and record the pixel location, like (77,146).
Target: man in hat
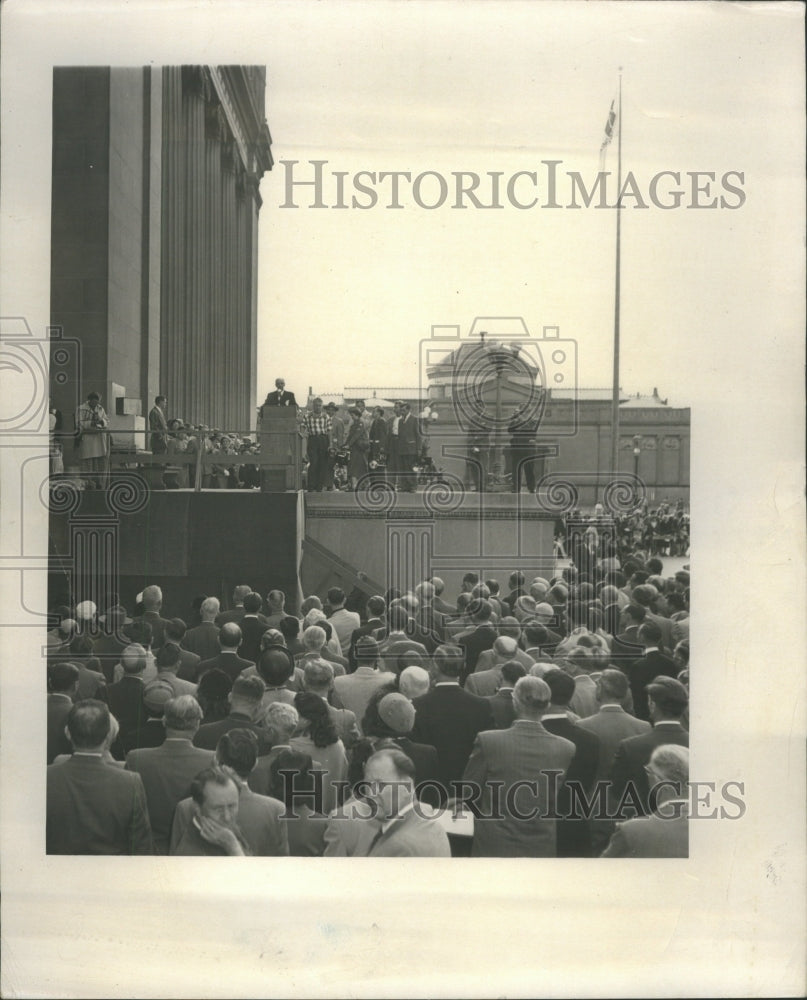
(92,440)
(628,790)
(354,691)
(317,426)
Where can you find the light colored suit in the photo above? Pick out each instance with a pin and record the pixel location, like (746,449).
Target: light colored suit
(487,660)
(486,683)
(350,830)
(651,836)
(354,691)
(258,820)
(611,725)
(524,752)
(411,836)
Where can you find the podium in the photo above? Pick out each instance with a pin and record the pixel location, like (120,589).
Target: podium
(281,450)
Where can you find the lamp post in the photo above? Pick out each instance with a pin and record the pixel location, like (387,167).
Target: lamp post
(637,450)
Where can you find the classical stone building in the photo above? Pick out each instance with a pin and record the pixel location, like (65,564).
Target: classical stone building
(155,208)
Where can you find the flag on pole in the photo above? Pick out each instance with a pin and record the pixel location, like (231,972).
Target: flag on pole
(609,133)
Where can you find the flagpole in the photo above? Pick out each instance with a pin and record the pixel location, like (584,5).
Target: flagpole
(615,395)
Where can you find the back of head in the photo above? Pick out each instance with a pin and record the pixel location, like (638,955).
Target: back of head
(535,634)
(538,592)
(613,685)
(168,657)
(182,714)
(238,749)
(62,677)
(276,599)
(524,608)
(449,661)
(366,649)
(510,626)
(469,581)
(289,627)
(512,671)
(314,710)
(493,587)
(318,676)
(671,763)
(531,696)
(480,609)
(649,633)
(636,613)
(397,618)
(140,633)
(275,666)
(133,659)
(414,681)
(81,645)
(88,724)
(282,719)
(209,609)
(290,775)
(425,592)
(439,585)
(669,696)
(463,600)
(309,604)
(505,647)
(175,630)
(654,566)
(152,598)
(272,637)
(561,685)
(644,594)
(314,637)
(86,611)
(248,690)
(214,686)
(313,617)
(516,580)
(376,606)
(336,597)
(252,604)
(240,592)
(481,591)
(230,636)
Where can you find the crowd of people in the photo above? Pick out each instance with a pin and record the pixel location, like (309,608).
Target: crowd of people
(547,717)
(659,531)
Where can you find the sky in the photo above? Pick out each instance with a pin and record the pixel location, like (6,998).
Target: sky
(345,296)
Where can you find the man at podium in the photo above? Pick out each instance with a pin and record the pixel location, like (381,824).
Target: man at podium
(279,397)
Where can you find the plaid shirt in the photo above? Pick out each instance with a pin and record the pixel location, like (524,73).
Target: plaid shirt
(317,423)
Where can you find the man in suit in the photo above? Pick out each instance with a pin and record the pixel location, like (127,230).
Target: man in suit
(646,595)
(279,397)
(168,770)
(482,636)
(253,625)
(449,718)
(510,627)
(404,832)
(227,659)
(213,829)
(625,645)
(376,607)
(168,663)
(63,681)
(259,816)
(237,612)
(343,622)
(204,639)
(665,832)
(280,721)
(188,661)
(394,641)
(93,807)
(318,679)
(158,425)
(354,691)
(487,682)
(437,602)
(573,829)
(501,702)
(653,663)
(628,789)
(516,583)
(125,700)
(408,448)
(152,605)
(276,608)
(245,700)
(511,778)
(611,724)
(91,682)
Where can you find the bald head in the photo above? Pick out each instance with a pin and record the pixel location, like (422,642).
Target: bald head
(230,636)
(414,681)
(531,697)
(133,659)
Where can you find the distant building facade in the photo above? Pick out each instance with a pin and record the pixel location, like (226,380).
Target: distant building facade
(154,236)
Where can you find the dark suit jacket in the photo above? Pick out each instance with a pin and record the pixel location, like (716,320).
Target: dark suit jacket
(167,772)
(444,609)
(58,709)
(158,624)
(449,719)
(574,834)
(251,631)
(234,615)
(107,649)
(625,647)
(273,399)
(370,626)
(231,663)
(427,768)
(95,808)
(202,640)
(480,639)
(524,752)
(501,704)
(642,672)
(208,735)
(125,700)
(629,760)
(188,663)
(408,436)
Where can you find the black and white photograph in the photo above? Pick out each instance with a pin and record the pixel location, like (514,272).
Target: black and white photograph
(385,387)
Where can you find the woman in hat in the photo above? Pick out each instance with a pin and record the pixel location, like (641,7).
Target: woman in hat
(358,443)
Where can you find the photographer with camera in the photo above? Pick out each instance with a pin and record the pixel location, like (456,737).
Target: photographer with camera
(92,441)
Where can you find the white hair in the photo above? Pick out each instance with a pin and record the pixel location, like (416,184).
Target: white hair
(414,681)
(314,637)
(210,608)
